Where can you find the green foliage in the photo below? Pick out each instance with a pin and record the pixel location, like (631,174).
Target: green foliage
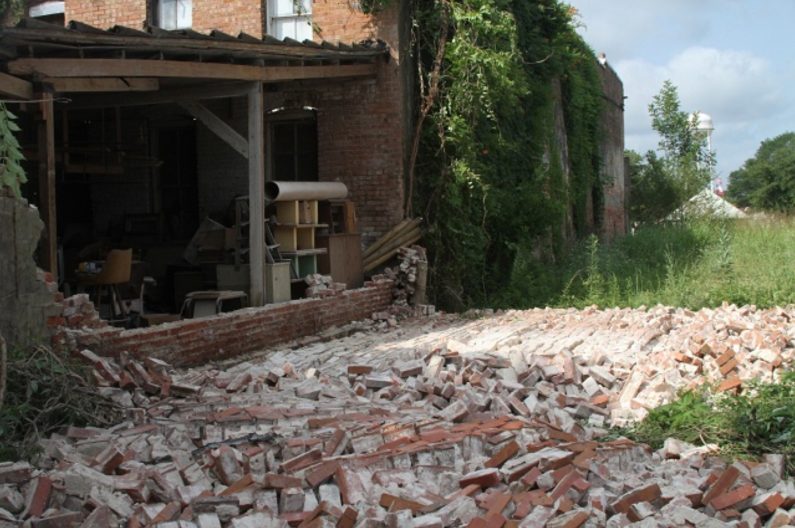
(373,6)
(12,175)
(654,192)
(11,11)
(46,392)
(760,420)
(696,264)
(767,181)
(662,182)
(491,186)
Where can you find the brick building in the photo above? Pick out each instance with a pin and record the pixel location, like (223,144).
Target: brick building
(154,111)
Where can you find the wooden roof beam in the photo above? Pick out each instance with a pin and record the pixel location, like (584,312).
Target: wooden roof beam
(182,70)
(11,86)
(102,84)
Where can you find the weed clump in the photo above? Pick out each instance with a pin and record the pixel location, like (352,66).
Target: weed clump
(761,420)
(46,392)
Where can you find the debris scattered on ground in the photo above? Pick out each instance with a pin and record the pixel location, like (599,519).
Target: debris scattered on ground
(494,421)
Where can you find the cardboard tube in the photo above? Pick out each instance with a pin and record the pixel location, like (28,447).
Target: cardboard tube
(284,191)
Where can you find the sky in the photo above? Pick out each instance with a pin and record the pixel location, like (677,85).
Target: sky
(732,59)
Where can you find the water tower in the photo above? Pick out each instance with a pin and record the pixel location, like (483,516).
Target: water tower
(703,124)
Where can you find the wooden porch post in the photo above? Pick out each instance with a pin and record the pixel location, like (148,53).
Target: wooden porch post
(256,193)
(49,242)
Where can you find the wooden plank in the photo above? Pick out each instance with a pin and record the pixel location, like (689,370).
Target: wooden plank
(201,92)
(49,241)
(102,84)
(183,69)
(11,86)
(256,193)
(217,126)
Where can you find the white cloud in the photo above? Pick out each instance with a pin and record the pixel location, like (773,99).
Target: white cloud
(739,90)
(729,58)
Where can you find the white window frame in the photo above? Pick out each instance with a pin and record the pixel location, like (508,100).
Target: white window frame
(186,22)
(301,13)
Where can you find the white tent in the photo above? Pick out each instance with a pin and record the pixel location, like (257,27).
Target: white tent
(706,203)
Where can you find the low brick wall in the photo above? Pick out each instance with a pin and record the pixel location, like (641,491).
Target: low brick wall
(197,341)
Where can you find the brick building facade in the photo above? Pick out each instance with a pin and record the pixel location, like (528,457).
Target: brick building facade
(361,124)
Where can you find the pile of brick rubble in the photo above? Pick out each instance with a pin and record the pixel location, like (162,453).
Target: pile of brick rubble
(492,421)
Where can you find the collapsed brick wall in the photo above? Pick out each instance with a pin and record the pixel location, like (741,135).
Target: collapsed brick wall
(197,341)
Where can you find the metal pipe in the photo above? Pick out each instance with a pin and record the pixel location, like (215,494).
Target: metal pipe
(283,191)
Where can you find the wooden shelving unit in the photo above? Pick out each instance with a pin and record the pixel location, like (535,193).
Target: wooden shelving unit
(295,232)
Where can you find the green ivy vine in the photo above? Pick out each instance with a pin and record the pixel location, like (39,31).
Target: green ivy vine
(490,182)
(12,175)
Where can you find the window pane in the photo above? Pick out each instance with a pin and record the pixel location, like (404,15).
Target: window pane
(283,7)
(167,14)
(303,29)
(184,13)
(290,7)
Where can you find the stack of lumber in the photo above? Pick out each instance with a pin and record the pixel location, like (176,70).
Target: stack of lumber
(406,233)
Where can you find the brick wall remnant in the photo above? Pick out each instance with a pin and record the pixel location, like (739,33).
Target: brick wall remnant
(26,294)
(197,341)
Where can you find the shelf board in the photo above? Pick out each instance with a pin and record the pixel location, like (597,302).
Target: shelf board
(302,226)
(305,252)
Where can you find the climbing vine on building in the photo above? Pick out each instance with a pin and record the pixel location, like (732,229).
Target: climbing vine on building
(490,180)
(12,175)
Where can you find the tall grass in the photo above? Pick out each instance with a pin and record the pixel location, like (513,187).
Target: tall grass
(695,264)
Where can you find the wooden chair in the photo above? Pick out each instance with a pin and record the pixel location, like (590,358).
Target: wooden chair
(115,270)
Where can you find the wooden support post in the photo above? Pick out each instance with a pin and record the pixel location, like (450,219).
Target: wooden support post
(256,193)
(49,240)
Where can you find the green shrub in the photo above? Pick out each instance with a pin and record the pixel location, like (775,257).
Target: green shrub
(761,420)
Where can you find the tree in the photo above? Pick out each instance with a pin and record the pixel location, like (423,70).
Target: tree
(684,150)
(663,180)
(767,181)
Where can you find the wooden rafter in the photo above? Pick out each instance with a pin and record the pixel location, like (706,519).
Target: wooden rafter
(11,86)
(182,69)
(201,92)
(102,84)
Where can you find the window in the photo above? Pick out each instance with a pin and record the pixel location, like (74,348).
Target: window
(294,150)
(290,18)
(175,14)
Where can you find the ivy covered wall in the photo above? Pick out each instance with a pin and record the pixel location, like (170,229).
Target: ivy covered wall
(508,167)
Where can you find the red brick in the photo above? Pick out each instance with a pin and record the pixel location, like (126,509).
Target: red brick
(503,455)
(729,384)
(767,503)
(321,473)
(733,497)
(648,493)
(39,498)
(723,483)
(276,481)
(484,478)
(238,486)
(395,503)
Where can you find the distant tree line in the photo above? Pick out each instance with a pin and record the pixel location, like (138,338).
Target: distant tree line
(767,181)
